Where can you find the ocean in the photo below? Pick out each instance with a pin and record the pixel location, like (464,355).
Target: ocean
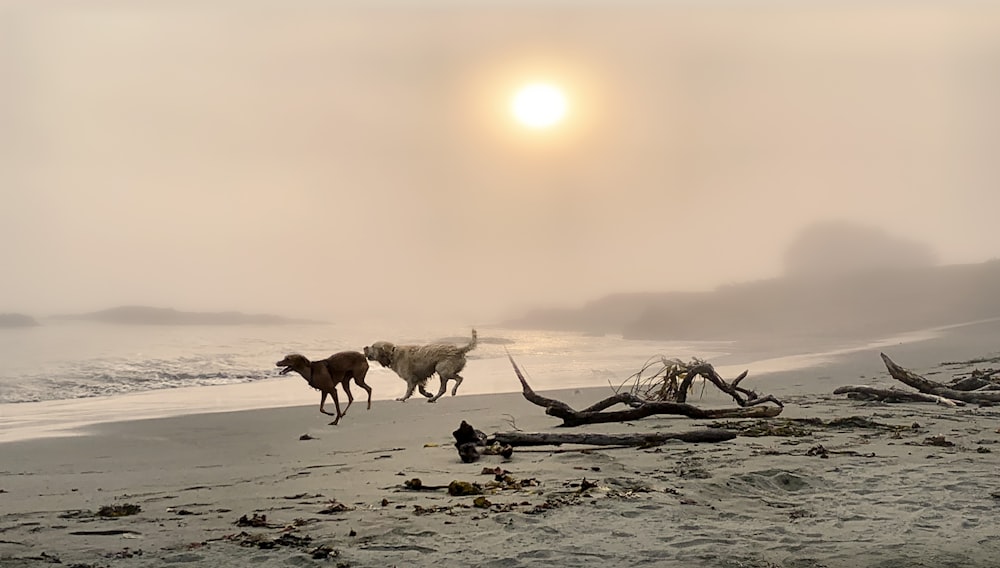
(62,375)
(74,360)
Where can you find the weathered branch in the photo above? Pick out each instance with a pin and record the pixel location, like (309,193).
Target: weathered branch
(894,395)
(935,388)
(709,435)
(596,414)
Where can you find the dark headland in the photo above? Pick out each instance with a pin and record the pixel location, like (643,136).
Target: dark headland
(146,315)
(17,320)
(861,304)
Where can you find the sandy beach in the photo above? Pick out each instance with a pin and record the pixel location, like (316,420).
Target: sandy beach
(912,485)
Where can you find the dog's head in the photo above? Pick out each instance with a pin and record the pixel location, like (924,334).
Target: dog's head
(291,363)
(380,351)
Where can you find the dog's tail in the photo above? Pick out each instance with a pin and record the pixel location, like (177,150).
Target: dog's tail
(472,344)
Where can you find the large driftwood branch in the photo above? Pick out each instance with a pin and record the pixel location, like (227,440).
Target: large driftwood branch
(926,386)
(894,395)
(596,414)
(709,435)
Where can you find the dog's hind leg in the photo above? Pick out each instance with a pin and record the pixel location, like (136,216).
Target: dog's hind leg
(441,391)
(350,397)
(458,381)
(336,403)
(424,391)
(360,381)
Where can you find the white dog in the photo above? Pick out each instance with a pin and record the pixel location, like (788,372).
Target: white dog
(416,363)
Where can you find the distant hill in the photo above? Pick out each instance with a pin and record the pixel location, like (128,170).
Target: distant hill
(17,320)
(145,315)
(864,303)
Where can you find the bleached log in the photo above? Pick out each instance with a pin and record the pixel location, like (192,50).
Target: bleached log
(926,386)
(896,395)
(709,435)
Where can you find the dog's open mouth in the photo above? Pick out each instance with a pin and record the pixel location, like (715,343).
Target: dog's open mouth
(285,368)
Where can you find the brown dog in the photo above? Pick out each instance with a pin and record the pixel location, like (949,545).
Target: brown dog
(326,374)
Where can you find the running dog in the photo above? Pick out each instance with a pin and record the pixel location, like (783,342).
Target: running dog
(416,363)
(326,374)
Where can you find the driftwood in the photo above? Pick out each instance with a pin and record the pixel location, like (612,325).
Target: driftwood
(646,440)
(984,397)
(894,395)
(672,379)
(596,414)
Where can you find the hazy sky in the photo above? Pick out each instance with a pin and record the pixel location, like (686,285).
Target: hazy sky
(346,158)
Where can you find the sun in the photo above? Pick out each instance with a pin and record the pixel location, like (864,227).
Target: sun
(539,105)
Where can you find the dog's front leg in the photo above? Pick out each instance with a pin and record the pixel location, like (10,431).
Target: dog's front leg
(409,391)
(322,404)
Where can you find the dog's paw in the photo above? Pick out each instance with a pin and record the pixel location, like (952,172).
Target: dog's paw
(401,399)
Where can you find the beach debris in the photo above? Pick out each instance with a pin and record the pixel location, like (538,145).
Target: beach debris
(286,539)
(254,521)
(304,437)
(750,404)
(509,482)
(124,553)
(467,440)
(335,506)
(818,450)
(322,552)
(939,441)
(109,532)
(118,510)
(299,496)
(497,449)
(893,395)
(76,514)
(481,503)
(973,392)
(416,484)
(421,510)
(43,557)
(460,488)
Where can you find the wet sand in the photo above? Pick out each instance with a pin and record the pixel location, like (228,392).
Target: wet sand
(875,493)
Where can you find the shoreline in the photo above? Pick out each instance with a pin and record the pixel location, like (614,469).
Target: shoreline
(68,417)
(871,497)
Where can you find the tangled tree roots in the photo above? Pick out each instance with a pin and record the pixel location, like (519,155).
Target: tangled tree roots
(640,408)
(672,379)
